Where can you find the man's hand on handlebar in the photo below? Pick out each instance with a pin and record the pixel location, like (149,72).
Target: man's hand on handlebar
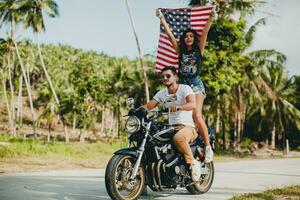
(174,108)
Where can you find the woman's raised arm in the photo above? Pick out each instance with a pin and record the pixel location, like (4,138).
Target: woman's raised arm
(168,30)
(203,38)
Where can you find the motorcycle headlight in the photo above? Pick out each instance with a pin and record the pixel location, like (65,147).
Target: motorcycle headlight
(133,124)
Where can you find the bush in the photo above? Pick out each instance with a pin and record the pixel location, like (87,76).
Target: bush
(245,143)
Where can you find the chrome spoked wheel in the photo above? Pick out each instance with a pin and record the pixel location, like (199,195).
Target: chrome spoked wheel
(117,178)
(205,181)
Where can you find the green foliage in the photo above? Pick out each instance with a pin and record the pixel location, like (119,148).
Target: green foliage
(224,64)
(245,143)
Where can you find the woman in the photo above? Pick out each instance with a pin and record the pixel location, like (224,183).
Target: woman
(190,50)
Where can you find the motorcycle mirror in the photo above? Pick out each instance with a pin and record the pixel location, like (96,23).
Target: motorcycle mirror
(130,102)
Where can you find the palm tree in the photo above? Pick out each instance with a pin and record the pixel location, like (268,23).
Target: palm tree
(49,113)
(10,13)
(279,89)
(246,85)
(34,11)
(140,54)
(4,50)
(6,71)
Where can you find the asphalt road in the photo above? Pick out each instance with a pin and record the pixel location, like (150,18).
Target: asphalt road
(231,178)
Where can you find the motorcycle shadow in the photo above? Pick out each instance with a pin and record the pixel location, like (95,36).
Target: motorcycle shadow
(154,195)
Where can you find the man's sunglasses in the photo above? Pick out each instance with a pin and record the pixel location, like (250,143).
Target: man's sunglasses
(166,76)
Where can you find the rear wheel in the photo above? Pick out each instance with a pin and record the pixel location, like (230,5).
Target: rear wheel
(117,178)
(205,181)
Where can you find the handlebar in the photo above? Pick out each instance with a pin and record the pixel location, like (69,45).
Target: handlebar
(159,113)
(155,113)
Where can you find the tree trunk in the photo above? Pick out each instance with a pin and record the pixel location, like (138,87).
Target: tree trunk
(27,87)
(282,131)
(243,119)
(49,133)
(273,136)
(12,99)
(118,117)
(66,131)
(240,113)
(102,119)
(140,54)
(118,125)
(235,128)
(223,112)
(218,115)
(46,73)
(224,135)
(111,124)
(20,105)
(74,125)
(7,107)
(82,135)
(238,135)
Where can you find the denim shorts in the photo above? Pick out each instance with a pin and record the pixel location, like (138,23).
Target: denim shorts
(195,83)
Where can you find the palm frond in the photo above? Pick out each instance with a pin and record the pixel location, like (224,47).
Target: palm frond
(292,111)
(268,54)
(249,36)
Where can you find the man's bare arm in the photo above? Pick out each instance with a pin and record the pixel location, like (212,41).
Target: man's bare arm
(150,105)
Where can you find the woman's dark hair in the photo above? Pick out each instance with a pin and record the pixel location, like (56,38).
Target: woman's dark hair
(182,45)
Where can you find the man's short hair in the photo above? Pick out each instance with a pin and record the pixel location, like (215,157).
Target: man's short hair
(171,68)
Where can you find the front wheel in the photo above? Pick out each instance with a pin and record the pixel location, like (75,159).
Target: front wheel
(205,181)
(117,178)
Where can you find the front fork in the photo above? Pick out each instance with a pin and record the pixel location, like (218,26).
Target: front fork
(140,151)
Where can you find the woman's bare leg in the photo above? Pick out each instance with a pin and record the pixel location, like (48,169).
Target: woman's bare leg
(197,114)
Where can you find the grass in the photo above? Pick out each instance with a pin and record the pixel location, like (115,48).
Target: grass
(16,147)
(286,193)
(17,154)
(233,153)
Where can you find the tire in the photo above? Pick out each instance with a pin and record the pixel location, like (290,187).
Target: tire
(205,183)
(117,175)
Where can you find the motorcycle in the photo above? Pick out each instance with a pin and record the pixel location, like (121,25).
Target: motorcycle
(151,159)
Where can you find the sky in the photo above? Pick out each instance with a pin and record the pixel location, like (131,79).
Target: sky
(104,26)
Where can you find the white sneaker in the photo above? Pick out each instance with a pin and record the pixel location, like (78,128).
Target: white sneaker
(196,170)
(209,154)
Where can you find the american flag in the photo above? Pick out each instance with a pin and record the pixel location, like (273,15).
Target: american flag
(179,19)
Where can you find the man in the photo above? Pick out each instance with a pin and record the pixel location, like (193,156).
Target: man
(180,100)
